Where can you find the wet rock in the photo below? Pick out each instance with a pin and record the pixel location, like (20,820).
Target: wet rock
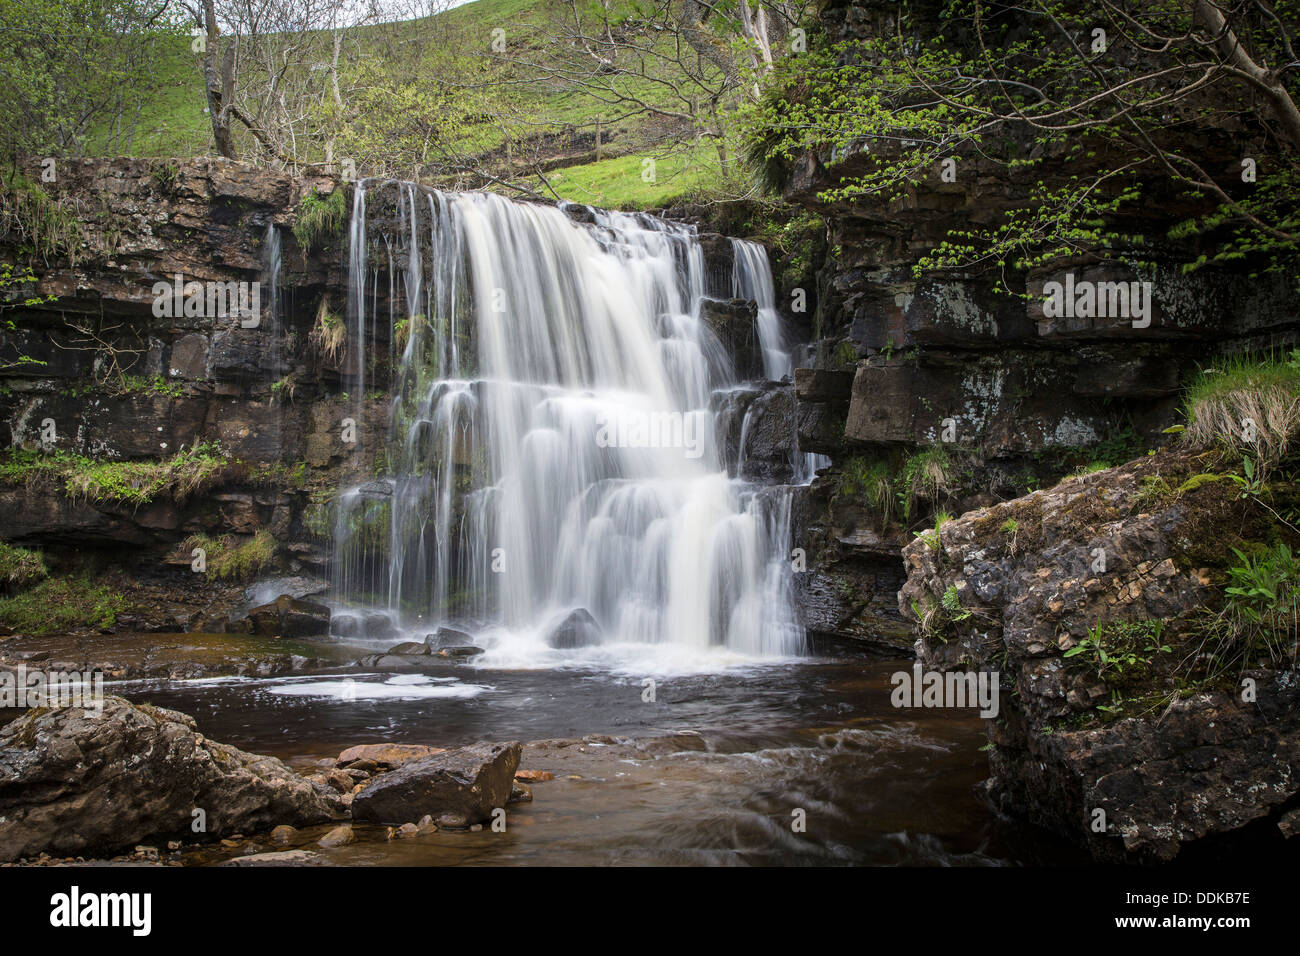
(534,776)
(284,834)
(339,836)
(576,629)
(466,784)
(392,662)
(73,781)
(735,323)
(276,858)
(409,649)
(448,637)
(378,757)
(373,624)
(519,793)
(460,651)
(290,617)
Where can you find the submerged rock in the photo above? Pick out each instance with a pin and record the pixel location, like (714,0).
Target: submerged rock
(374,624)
(463,785)
(73,782)
(577,629)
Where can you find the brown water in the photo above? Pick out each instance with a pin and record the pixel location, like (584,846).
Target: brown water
(716,770)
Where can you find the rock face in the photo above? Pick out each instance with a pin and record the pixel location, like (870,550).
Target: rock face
(74,782)
(1135,554)
(457,788)
(902,361)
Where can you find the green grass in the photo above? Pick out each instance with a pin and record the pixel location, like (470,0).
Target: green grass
(321,219)
(1246,404)
(129,482)
(229,556)
(172,123)
(20,567)
(61,604)
(618,184)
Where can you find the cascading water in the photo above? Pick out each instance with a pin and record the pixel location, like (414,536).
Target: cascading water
(751,278)
(551,446)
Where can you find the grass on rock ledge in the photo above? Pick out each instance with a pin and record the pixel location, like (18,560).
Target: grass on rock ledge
(57,605)
(129,482)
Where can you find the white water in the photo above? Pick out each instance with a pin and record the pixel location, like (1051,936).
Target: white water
(751,278)
(527,334)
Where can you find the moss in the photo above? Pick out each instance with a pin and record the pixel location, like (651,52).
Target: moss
(62,604)
(20,567)
(1197,481)
(231,557)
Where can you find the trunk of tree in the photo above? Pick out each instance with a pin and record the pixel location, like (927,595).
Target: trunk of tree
(220,82)
(1267,82)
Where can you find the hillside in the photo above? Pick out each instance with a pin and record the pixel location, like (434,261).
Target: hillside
(556,133)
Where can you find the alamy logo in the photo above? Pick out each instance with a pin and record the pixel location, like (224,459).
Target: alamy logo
(211,300)
(637,429)
(1087,299)
(74,909)
(21,687)
(952,689)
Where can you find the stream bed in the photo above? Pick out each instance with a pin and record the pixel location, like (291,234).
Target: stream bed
(714,770)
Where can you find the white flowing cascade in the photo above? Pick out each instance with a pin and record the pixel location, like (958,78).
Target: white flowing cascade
(552,445)
(751,278)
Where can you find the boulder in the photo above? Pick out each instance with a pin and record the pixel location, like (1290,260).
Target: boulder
(74,782)
(459,785)
(288,616)
(576,629)
(448,637)
(1169,767)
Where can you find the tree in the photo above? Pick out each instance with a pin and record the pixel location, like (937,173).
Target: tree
(76,69)
(1116,96)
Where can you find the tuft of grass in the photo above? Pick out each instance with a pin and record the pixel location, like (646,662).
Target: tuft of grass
(20,567)
(62,604)
(320,218)
(925,476)
(1246,404)
(229,557)
(871,480)
(329,334)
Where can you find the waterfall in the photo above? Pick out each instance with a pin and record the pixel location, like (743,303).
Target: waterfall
(751,278)
(551,445)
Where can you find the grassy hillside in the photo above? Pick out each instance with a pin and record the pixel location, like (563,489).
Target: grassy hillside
(546,121)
